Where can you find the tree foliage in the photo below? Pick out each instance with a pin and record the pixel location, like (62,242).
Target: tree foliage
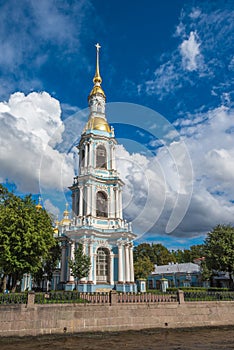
(219,249)
(189,255)
(26,236)
(81,264)
(49,264)
(157,253)
(143,266)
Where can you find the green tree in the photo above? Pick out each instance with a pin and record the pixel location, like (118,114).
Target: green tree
(143,266)
(157,253)
(26,236)
(219,250)
(49,264)
(188,255)
(80,265)
(206,273)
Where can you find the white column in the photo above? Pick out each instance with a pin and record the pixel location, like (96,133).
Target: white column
(81,201)
(94,268)
(132,279)
(113,158)
(120,205)
(63,264)
(89,206)
(120,262)
(108,206)
(91,260)
(93,201)
(86,155)
(94,156)
(84,252)
(117,203)
(111,268)
(72,257)
(127,271)
(112,208)
(90,154)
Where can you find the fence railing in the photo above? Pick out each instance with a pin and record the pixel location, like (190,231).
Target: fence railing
(63,297)
(112,297)
(146,298)
(13,298)
(208,296)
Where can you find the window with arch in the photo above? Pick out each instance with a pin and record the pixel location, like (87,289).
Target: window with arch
(101,204)
(102,265)
(101,157)
(82,157)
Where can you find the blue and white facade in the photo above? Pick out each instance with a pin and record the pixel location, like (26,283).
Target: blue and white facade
(177,275)
(97,216)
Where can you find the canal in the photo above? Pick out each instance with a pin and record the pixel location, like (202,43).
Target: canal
(154,339)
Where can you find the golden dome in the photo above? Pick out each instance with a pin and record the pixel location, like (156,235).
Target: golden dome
(97,90)
(65,222)
(97,123)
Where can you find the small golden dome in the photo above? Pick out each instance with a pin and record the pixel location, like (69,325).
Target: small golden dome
(97,90)
(97,123)
(65,222)
(38,206)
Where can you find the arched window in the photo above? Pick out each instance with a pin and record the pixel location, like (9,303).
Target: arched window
(82,157)
(102,265)
(101,157)
(101,204)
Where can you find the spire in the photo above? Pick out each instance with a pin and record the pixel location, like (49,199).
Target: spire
(97,80)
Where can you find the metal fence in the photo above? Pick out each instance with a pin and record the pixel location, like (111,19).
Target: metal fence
(13,298)
(66,297)
(208,296)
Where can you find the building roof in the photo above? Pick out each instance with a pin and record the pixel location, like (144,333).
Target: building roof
(176,268)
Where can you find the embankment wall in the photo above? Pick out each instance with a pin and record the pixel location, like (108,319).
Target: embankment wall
(21,320)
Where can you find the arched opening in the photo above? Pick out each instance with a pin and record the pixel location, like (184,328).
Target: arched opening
(82,158)
(102,265)
(101,204)
(101,157)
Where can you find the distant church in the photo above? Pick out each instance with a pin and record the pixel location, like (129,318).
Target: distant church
(97,220)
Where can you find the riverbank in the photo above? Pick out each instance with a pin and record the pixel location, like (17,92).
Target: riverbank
(36,319)
(220,338)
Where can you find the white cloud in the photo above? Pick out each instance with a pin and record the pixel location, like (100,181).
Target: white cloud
(190,52)
(30,128)
(153,183)
(31,31)
(51,208)
(196,52)
(30,151)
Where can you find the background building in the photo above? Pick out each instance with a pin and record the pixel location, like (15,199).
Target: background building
(178,275)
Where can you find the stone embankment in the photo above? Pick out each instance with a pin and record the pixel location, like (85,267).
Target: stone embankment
(112,315)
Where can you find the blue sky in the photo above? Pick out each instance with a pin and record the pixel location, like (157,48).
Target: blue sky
(168,64)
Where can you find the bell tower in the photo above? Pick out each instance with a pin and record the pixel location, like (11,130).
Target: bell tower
(97,220)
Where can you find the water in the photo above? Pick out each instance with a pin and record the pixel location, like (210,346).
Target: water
(220,338)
